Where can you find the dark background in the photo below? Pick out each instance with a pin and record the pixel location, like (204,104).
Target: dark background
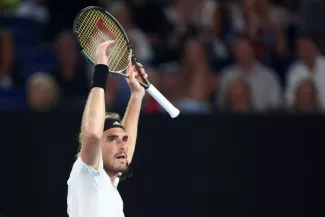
(220,165)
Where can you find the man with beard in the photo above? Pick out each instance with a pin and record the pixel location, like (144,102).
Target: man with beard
(107,146)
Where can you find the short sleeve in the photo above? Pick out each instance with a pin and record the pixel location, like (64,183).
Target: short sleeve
(91,170)
(82,171)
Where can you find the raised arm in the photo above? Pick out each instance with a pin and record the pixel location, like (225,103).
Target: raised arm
(92,125)
(131,116)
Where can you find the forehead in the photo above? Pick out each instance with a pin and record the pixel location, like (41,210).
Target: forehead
(305,41)
(306,85)
(115,131)
(241,43)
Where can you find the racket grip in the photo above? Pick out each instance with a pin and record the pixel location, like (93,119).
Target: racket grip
(173,112)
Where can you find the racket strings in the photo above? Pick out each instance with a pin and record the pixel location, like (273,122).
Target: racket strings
(119,58)
(91,35)
(115,59)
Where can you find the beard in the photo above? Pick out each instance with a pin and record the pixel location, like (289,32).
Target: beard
(117,168)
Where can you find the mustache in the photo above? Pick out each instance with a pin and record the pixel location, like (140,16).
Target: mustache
(122,153)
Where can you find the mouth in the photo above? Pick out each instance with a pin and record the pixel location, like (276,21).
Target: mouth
(121,156)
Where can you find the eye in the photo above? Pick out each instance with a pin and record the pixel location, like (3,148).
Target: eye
(111,139)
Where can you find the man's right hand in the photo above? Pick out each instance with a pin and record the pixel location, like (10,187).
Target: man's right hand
(102,52)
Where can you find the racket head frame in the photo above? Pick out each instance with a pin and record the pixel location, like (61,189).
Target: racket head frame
(146,83)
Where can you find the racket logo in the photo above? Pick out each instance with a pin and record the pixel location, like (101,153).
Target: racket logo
(104,33)
(100,34)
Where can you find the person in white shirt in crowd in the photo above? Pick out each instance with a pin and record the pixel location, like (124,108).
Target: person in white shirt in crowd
(107,146)
(310,65)
(266,93)
(199,80)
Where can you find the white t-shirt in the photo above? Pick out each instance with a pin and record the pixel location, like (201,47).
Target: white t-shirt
(265,86)
(91,193)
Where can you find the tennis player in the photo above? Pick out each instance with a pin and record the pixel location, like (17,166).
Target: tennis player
(107,146)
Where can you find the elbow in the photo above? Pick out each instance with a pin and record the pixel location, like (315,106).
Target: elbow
(91,138)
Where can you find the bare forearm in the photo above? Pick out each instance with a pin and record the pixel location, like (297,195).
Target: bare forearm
(94,113)
(92,126)
(130,122)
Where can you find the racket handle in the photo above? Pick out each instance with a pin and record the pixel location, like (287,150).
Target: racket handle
(173,112)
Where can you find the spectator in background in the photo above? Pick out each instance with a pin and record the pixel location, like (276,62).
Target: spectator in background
(306,97)
(42,92)
(238,96)
(171,83)
(310,65)
(149,17)
(268,36)
(203,16)
(6,59)
(138,39)
(177,16)
(34,10)
(198,80)
(310,19)
(217,47)
(71,73)
(265,86)
(259,21)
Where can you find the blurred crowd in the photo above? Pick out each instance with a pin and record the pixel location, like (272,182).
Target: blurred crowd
(203,55)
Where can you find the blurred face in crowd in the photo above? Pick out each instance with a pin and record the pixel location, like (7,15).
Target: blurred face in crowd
(41,96)
(307,50)
(306,97)
(243,52)
(67,51)
(171,83)
(238,96)
(114,150)
(248,6)
(194,54)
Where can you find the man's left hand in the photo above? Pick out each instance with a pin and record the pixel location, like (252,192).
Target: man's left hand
(135,86)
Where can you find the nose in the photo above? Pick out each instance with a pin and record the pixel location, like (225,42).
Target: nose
(121,143)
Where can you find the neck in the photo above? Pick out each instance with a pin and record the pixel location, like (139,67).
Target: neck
(246,67)
(112,176)
(311,64)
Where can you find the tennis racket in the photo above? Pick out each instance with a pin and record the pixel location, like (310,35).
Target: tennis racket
(93,26)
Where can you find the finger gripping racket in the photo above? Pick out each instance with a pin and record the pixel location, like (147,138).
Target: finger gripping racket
(93,26)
